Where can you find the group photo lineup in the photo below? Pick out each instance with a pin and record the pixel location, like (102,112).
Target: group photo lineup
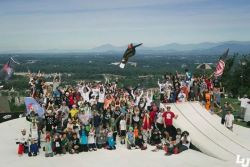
(162,83)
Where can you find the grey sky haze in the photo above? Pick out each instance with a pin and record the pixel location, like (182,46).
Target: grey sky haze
(82,24)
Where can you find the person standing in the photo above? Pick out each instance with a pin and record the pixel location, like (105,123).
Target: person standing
(243,105)
(168,117)
(101,94)
(159,120)
(229,120)
(224,110)
(123,128)
(182,96)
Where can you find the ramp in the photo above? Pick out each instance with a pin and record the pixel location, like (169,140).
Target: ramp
(204,136)
(215,123)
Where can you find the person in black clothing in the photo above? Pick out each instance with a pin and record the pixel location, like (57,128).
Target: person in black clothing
(32,116)
(140,143)
(49,120)
(106,118)
(96,121)
(142,105)
(155,139)
(216,82)
(58,145)
(58,124)
(75,144)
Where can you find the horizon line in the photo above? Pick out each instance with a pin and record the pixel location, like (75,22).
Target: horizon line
(79,50)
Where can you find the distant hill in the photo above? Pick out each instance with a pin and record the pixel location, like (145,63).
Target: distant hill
(107,48)
(205,48)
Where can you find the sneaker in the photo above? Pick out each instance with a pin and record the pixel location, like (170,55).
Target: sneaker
(168,154)
(155,150)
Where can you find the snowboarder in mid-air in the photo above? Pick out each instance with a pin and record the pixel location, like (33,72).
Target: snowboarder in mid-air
(128,53)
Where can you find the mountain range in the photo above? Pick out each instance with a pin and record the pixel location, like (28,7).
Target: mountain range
(205,48)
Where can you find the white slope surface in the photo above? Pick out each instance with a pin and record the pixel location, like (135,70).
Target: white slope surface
(121,157)
(215,123)
(208,135)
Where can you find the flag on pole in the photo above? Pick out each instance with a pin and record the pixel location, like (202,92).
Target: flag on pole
(7,70)
(221,65)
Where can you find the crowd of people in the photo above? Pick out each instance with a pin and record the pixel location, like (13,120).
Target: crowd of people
(91,116)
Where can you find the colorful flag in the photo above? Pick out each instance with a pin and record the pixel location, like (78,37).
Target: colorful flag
(7,70)
(32,104)
(221,64)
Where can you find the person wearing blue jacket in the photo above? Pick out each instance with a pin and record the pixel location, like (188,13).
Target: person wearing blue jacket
(110,141)
(83,139)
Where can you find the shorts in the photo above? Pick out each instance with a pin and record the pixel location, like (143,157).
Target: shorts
(160,126)
(171,130)
(123,133)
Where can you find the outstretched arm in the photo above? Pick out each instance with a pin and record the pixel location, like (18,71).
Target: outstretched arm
(60,77)
(159,84)
(54,77)
(138,45)
(141,94)
(132,93)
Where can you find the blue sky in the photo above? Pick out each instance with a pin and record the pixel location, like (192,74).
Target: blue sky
(81,24)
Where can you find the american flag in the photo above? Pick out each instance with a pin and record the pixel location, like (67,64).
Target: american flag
(7,70)
(221,65)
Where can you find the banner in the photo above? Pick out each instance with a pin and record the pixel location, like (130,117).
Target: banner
(32,104)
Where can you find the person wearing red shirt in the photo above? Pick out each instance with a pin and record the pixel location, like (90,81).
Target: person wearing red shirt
(153,114)
(168,117)
(209,84)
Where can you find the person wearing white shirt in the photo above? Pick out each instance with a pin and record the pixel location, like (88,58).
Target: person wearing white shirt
(34,132)
(65,111)
(186,141)
(181,96)
(92,101)
(23,142)
(149,99)
(162,87)
(243,105)
(85,91)
(159,120)
(95,92)
(136,97)
(229,119)
(91,140)
(123,127)
(101,98)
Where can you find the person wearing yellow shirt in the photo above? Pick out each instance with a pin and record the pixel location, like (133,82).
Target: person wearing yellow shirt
(73,112)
